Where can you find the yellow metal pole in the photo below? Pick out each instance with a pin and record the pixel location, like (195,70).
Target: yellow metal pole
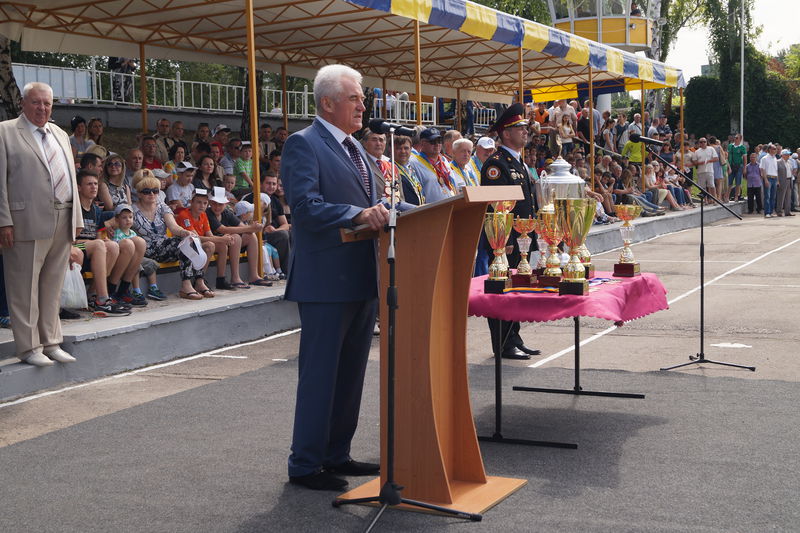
(251,75)
(142,87)
(457,121)
(644,133)
(521,89)
(284,97)
(683,153)
(382,105)
(591,125)
(418,67)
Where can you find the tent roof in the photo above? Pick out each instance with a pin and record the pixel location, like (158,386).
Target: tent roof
(463,45)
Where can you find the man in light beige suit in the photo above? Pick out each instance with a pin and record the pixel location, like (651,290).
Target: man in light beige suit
(37,224)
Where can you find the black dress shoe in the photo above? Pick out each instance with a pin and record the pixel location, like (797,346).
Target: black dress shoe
(319,481)
(66,314)
(512,352)
(529,351)
(354,468)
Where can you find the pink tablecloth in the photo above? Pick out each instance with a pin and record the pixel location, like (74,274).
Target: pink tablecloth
(619,302)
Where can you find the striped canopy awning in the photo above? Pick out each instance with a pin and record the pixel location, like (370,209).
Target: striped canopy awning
(464,46)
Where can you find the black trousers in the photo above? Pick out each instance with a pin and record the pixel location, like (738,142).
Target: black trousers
(754,196)
(509,331)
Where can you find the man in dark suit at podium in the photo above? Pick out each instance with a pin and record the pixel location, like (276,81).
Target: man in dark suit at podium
(329,186)
(506,167)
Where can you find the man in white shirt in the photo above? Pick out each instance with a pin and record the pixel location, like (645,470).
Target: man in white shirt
(704,158)
(769,174)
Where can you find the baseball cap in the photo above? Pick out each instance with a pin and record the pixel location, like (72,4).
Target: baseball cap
(486,142)
(245,144)
(122,207)
(161,174)
(200,192)
(786,152)
(243,207)
(430,135)
(220,127)
(183,166)
(218,196)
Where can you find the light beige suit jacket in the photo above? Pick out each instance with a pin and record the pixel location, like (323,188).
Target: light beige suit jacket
(26,189)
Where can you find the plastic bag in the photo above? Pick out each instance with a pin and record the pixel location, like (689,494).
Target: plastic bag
(73,293)
(268,267)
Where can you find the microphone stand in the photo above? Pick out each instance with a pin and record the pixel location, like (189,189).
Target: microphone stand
(700,357)
(390,491)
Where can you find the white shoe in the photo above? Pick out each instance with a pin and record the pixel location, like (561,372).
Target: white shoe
(37,358)
(59,355)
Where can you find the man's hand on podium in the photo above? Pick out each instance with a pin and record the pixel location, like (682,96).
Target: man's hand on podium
(376,217)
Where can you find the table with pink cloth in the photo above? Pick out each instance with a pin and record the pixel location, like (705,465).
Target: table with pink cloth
(619,300)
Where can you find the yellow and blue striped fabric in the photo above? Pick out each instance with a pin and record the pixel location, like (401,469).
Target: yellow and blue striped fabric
(484,22)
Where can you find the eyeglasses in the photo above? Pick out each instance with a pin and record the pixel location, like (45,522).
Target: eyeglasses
(149,191)
(114,164)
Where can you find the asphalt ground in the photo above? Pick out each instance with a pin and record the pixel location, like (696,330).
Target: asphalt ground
(201,444)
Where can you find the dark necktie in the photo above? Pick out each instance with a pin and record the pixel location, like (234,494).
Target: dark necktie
(359,163)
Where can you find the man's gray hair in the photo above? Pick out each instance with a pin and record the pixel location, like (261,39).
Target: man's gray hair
(36,86)
(328,81)
(459,142)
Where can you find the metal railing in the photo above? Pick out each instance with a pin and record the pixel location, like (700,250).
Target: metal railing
(79,85)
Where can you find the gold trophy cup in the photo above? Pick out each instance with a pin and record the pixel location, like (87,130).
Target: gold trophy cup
(497,226)
(575,217)
(524,275)
(627,267)
(547,227)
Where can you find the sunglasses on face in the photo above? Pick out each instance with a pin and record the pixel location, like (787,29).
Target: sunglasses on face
(148,191)
(114,164)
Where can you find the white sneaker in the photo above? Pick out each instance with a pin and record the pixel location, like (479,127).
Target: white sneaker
(59,355)
(36,358)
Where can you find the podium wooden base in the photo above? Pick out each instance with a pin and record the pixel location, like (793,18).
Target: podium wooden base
(467,496)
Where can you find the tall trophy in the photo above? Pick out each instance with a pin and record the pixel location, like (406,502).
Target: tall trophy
(586,259)
(524,275)
(497,225)
(547,226)
(575,217)
(627,267)
(541,261)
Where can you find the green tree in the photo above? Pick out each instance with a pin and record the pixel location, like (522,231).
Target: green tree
(535,10)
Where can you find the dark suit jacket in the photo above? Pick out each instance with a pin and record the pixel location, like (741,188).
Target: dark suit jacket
(325,192)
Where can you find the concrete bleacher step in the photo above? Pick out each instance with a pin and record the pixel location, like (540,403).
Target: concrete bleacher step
(167,330)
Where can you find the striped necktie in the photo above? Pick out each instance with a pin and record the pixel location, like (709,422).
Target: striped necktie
(359,163)
(62,188)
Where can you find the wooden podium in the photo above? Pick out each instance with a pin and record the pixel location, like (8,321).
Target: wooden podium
(437,457)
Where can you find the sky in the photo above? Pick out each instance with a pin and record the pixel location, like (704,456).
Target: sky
(780,29)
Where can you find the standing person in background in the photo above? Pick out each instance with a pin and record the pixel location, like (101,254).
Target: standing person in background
(163,140)
(122,83)
(769,177)
(39,219)
(785,172)
(329,186)
(753,176)
(737,153)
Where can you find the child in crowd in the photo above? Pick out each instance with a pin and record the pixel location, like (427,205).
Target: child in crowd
(272,264)
(179,194)
(229,182)
(243,167)
(123,220)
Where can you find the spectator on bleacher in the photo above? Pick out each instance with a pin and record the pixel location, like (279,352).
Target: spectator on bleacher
(565,134)
(199,150)
(203,134)
(205,177)
(163,141)
(195,219)
(483,149)
(465,174)
(151,219)
(243,166)
(101,253)
(275,162)
(412,187)
(244,213)
(180,193)
(177,154)
(231,154)
(149,149)
(277,228)
(281,134)
(224,222)
(112,189)
(753,177)
(91,161)
(79,140)
(265,144)
(95,130)
(448,138)
(133,162)
(123,229)
(176,133)
(659,188)
(217,152)
(280,196)
(432,169)
(221,133)
(229,182)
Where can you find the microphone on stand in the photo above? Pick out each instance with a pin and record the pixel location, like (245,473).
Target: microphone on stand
(635,137)
(379,126)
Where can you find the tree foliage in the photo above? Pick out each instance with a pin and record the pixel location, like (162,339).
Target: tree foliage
(535,10)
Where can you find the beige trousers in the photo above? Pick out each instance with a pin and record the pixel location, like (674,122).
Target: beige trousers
(34,272)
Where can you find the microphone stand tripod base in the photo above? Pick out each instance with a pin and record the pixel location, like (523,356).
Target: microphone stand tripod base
(626,270)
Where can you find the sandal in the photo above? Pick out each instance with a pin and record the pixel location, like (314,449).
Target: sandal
(261,283)
(5,321)
(240,285)
(190,295)
(206,293)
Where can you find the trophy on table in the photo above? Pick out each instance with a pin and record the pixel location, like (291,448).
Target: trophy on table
(497,225)
(586,259)
(547,226)
(627,267)
(575,217)
(524,275)
(541,261)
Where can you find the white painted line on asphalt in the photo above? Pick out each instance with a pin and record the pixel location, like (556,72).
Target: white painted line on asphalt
(280,360)
(768,285)
(140,370)
(227,356)
(670,302)
(731,345)
(672,260)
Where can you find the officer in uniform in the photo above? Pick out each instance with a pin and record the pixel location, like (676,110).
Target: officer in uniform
(506,167)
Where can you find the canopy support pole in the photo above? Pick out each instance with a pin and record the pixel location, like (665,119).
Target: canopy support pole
(418,68)
(142,87)
(384,105)
(644,134)
(591,125)
(284,97)
(521,89)
(251,81)
(457,120)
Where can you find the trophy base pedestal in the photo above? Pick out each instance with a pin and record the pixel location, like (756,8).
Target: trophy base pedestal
(538,272)
(548,281)
(522,280)
(494,286)
(626,270)
(589,271)
(577,288)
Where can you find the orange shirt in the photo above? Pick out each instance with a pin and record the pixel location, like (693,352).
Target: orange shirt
(200,225)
